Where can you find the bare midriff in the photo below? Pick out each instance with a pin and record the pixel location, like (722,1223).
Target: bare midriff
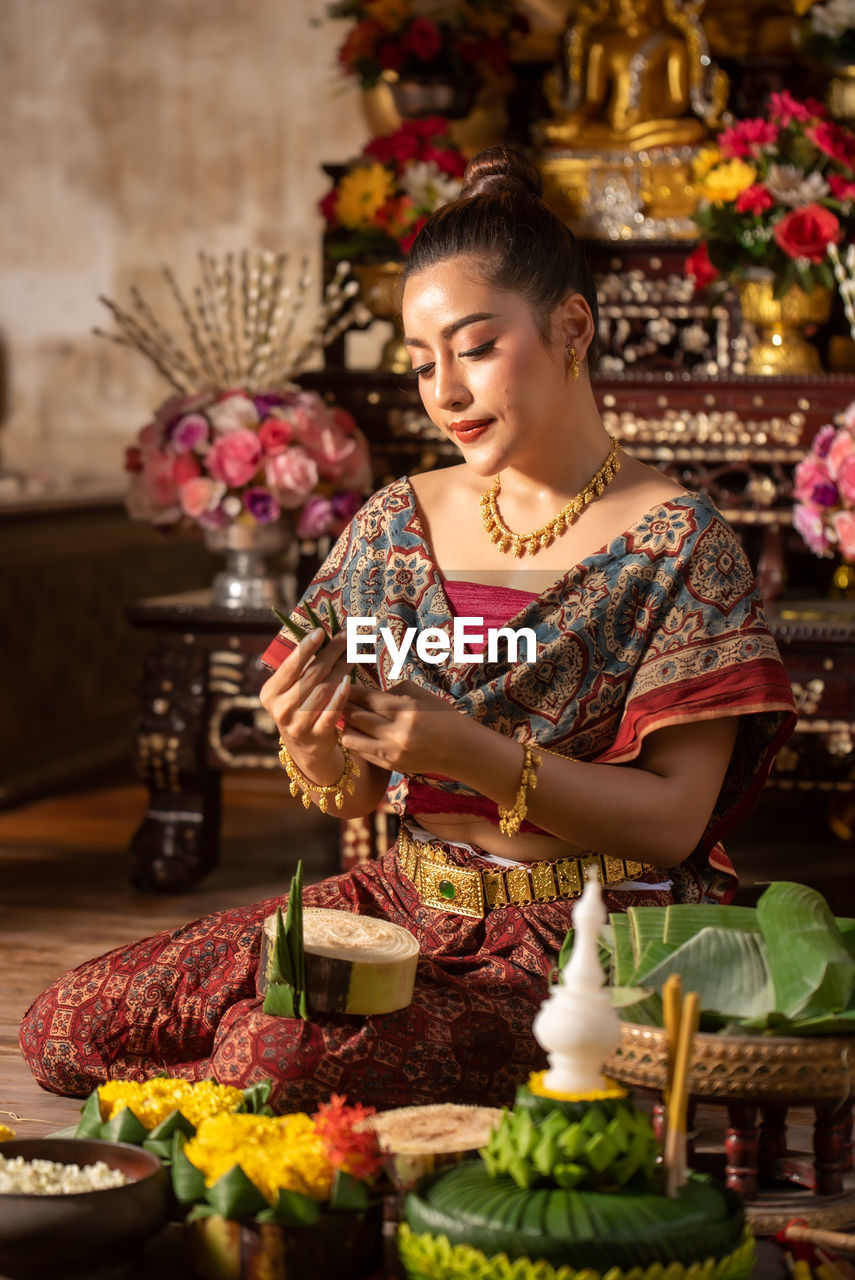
(525,846)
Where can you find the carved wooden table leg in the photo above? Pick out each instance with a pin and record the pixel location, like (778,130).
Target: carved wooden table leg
(830,1148)
(772,1141)
(740,1146)
(178,840)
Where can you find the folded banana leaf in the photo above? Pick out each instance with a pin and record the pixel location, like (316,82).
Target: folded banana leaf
(786,967)
(286,990)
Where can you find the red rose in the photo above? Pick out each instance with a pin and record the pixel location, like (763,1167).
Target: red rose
(451,162)
(698,265)
(359,43)
(842,188)
(328,205)
(422,39)
(807,232)
(405,244)
(756,199)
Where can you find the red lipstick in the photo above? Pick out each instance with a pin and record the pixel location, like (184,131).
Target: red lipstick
(470,429)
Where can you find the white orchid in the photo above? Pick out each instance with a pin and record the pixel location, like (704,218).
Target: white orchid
(428,187)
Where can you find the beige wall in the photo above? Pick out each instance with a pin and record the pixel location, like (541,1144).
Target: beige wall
(135,133)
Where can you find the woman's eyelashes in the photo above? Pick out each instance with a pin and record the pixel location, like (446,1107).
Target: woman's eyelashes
(474,353)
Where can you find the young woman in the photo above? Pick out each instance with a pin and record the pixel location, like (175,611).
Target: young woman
(638,732)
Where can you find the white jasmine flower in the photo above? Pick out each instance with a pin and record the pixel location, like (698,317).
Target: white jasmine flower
(792,186)
(428,187)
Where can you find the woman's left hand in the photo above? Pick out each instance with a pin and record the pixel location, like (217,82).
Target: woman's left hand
(407,729)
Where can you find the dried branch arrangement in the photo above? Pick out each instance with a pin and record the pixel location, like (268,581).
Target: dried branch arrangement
(844,272)
(240,323)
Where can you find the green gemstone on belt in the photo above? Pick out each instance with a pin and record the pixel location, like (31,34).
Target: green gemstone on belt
(447,889)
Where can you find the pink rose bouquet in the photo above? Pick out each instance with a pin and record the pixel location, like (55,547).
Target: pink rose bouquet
(228,456)
(775,192)
(824,489)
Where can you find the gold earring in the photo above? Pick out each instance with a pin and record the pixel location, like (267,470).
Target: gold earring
(574,361)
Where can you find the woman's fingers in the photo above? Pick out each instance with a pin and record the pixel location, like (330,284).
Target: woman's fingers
(331,714)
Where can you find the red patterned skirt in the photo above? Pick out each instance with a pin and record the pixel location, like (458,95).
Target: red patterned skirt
(185,1002)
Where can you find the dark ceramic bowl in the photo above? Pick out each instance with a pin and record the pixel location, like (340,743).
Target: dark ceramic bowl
(89,1235)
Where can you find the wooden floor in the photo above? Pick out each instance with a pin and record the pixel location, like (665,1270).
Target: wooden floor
(65,893)
(65,897)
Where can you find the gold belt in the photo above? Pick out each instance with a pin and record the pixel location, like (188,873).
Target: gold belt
(467,891)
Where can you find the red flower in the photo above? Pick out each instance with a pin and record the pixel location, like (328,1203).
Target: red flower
(842,188)
(422,39)
(133,458)
(359,43)
(807,232)
(756,199)
(394,148)
(349,1142)
(390,55)
(405,243)
(785,108)
(427,127)
(747,138)
(450,162)
(698,265)
(328,205)
(835,141)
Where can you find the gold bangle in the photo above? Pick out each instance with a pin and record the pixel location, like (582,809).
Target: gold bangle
(299,781)
(510,820)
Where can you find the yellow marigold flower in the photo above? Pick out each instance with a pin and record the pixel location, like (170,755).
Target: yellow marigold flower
(723,184)
(275,1152)
(389,14)
(612,1090)
(151,1101)
(6,1134)
(361,192)
(706,159)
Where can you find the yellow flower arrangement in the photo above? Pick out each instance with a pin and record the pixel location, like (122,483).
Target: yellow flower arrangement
(275,1152)
(723,184)
(6,1134)
(362,192)
(612,1090)
(151,1101)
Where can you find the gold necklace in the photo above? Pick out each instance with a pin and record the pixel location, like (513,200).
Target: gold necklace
(521,543)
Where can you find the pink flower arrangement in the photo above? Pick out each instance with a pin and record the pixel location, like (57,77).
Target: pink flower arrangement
(231,456)
(775,192)
(824,489)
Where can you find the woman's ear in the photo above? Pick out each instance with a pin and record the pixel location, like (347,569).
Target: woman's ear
(575,324)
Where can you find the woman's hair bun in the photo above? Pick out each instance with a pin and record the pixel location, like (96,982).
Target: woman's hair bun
(500,169)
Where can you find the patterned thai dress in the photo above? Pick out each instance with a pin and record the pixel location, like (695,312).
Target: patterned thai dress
(662,626)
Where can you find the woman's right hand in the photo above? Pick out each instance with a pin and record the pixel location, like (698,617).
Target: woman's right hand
(306,697)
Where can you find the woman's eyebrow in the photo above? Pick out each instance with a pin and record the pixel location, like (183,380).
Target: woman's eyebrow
(449,330)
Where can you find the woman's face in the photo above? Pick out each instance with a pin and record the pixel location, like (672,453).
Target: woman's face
(485,376)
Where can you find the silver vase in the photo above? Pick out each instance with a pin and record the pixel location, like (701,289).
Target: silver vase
(247,581)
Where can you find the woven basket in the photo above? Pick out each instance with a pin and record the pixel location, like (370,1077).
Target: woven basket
(783,1069)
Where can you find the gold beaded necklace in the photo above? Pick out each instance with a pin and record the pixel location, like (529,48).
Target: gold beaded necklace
(521,543)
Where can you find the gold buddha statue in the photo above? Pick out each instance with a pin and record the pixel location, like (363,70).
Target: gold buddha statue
(638,77)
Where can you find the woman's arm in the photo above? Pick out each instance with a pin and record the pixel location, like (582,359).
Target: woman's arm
(654,810)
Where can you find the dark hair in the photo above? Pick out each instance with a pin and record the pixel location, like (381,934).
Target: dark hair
(501,219)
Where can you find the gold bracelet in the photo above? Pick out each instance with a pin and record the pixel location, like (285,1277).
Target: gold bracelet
(510,820)
(299,781)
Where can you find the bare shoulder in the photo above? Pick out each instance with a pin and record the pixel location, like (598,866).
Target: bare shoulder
(646,484)
(434,490)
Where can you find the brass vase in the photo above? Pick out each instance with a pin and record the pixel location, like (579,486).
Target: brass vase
(380,290)
(840,95)
(781,347)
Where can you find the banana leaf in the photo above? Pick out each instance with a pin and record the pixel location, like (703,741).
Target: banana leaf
(623,959)
(349,1193)
(256,1099)
(812,972)
(646,924)
(684,919)
(235,1196)
(291,1210)
(728,969)
(188,1182)
(286,991)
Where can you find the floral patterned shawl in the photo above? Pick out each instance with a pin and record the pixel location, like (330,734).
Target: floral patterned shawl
(663,626)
